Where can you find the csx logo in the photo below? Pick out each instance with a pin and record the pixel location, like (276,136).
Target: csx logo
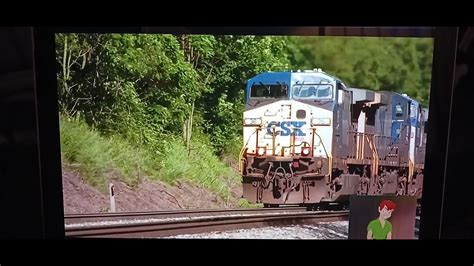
(286,127)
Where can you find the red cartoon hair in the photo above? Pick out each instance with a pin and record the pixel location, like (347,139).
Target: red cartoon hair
(388,203)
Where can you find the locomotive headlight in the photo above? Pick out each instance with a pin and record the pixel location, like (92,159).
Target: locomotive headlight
(252,121)
(321,121)
(305,151)
(261,151)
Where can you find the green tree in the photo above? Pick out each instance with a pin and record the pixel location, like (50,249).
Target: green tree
(394,64)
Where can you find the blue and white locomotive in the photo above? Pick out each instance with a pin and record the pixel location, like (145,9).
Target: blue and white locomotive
(309,139)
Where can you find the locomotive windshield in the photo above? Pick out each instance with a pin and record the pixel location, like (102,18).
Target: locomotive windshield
(414,111)
(269,91)
(313,92)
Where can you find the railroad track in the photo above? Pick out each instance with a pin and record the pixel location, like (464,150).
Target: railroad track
(112,216)
(163,224)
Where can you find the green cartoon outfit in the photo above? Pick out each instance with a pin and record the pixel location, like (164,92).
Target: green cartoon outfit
(379,232)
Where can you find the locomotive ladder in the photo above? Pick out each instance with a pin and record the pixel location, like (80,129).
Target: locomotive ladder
(375,156)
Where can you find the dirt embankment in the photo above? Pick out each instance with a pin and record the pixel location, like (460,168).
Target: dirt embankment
(80,197)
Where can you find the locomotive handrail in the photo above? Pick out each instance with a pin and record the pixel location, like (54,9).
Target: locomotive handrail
(390,144)
(242,151)
(411,169)
(242,160)
(320,141)
(296,145)
(375,155)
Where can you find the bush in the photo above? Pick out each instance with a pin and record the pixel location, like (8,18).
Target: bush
(243,203)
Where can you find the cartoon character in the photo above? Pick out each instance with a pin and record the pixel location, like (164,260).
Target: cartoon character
(381,228)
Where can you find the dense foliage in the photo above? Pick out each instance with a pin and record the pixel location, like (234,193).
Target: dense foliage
(165,93)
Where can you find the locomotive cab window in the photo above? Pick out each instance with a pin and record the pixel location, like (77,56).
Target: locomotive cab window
(269,91)
(313,92)
(413,111)
(398,111)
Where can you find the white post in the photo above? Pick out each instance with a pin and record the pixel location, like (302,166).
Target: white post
(360,136)
(112,197)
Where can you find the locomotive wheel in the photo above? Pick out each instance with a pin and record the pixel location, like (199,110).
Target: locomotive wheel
(326,206)
(266,205)
(317,207)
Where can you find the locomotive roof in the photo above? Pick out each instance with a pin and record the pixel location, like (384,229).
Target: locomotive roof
(288,76)
(401,95)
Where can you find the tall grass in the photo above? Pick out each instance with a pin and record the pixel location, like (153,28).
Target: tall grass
(199,165)
(97,158)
